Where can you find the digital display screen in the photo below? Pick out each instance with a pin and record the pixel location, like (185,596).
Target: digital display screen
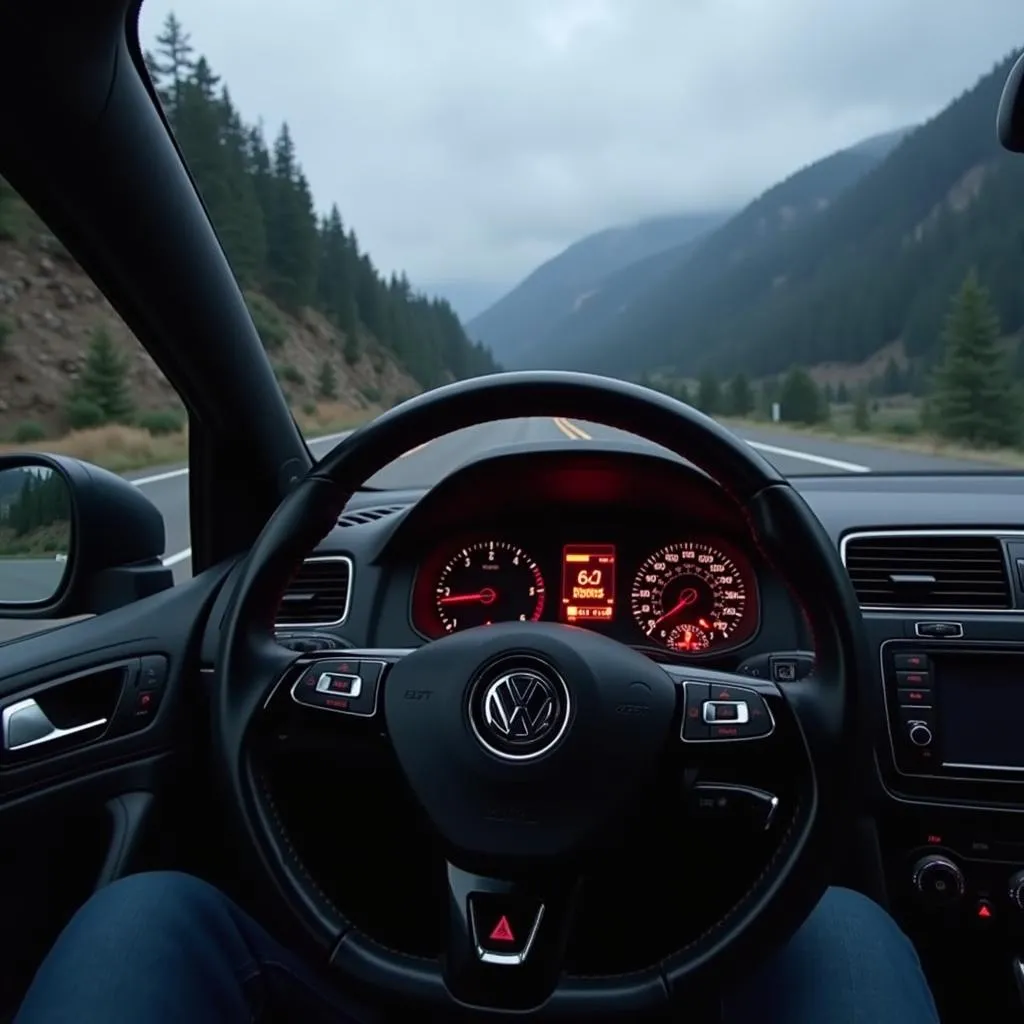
(982,707)
(588,583)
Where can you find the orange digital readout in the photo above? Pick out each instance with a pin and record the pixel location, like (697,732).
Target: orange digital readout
(588,583)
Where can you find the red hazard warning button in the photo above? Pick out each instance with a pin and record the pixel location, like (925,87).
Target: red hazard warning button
(504,928)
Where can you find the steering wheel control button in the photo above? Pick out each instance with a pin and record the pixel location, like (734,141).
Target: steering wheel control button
(724,713)
(732,804)
(519,714)
(504,928)
(694,727)
(340,683)
(735,712)
(346,686)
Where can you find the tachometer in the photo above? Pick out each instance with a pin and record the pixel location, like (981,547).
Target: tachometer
(691,596)
(489,581)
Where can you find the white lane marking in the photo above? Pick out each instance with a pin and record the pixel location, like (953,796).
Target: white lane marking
(178,556)
(821,460)
(142,481)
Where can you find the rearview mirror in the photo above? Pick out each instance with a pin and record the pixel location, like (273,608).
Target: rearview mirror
(35,534)
(75,539)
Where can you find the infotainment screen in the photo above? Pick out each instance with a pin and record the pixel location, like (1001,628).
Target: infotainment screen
(981,713)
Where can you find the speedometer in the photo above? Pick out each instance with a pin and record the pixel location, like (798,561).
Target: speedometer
(693,596)
(489,581)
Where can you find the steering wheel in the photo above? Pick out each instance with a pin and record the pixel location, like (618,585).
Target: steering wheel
(526,743)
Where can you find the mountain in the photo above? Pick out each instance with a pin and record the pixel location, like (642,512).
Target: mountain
(876,267)
(516,322)
(632,299)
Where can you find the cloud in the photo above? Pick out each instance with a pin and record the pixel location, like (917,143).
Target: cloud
(469,140)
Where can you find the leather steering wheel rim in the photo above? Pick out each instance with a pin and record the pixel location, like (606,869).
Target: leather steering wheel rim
(789,536)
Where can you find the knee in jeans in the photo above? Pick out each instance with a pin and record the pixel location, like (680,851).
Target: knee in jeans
(158,898)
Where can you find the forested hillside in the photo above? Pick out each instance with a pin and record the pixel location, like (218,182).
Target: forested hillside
(878,267)
(633,298)
(260,202)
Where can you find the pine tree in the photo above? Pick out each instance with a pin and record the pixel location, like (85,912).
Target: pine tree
(973,397)
(172,62)
(800,398)
(741,396)
(327,381)
(709,394)
(104,380)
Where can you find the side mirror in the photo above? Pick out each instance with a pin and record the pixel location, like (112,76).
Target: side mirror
(74,539)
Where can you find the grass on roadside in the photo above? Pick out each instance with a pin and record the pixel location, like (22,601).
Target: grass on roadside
(123,448)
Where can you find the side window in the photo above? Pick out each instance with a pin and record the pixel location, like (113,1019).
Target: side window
(74,380)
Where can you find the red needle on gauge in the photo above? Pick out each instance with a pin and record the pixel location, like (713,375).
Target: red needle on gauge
(686,598)
(485,596)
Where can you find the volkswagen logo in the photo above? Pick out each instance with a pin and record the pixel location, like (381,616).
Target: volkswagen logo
(520,714)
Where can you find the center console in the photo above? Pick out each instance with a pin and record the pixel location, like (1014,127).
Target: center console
(951,758)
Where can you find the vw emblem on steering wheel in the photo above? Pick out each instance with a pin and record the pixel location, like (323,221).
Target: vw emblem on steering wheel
(521,714)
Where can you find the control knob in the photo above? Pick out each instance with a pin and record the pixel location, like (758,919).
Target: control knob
(919,734)
(938,881)
(1016,889)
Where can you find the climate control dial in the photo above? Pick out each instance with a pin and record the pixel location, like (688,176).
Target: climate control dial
(1016,889)
(938,881)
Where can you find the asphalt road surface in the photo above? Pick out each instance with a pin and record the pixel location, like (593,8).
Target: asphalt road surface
(791,454)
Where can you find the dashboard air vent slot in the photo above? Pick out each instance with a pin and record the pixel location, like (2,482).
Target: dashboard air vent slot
(318,594)
(924,571)
(362,516)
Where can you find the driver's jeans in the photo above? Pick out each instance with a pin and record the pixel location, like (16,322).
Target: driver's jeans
(166,948)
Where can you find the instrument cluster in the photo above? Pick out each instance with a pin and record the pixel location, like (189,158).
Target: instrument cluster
(694,595)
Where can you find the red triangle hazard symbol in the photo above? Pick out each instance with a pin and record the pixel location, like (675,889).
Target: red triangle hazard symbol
(502,931)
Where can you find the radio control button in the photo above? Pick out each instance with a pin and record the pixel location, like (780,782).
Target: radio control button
(910,662)
(914,698)
(917,679)
(919,734)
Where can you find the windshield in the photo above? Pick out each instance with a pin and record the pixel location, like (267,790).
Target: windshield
(796,218)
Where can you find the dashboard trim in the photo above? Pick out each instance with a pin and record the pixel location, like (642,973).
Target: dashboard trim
(995,534)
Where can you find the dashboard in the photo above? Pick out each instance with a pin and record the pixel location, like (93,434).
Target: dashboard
(681,591)
(626,539)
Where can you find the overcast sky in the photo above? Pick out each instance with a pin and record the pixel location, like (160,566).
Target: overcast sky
(469,140)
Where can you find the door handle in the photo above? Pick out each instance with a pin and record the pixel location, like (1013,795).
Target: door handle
(25,725)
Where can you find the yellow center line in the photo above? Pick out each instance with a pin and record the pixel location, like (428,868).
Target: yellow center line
(571,430)
(565,427)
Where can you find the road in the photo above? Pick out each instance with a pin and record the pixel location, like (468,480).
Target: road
(792,455)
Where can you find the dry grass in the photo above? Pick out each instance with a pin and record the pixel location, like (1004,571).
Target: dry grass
(121,448)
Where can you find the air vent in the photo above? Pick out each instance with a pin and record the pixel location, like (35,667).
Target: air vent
(362,516)
(956,572)
(318,594)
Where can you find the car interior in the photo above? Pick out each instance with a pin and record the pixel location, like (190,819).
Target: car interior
(576,733)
